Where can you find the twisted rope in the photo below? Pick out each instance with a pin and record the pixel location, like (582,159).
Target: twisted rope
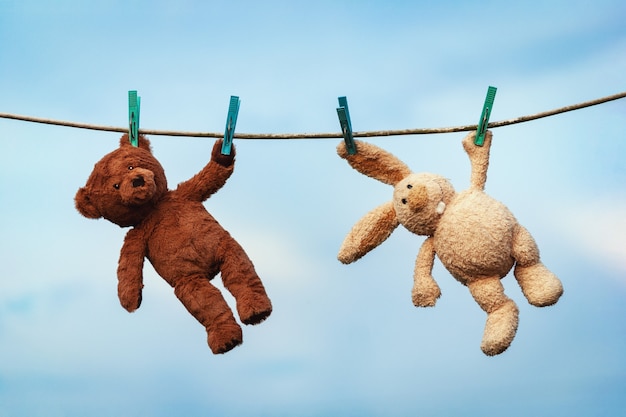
(376,133)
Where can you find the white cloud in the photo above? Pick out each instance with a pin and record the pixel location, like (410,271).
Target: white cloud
(598,230)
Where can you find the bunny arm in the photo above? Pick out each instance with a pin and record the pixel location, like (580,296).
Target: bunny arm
(369,232)
(479,158)
(375,162)
(425,289)
(211,178)
(130,270)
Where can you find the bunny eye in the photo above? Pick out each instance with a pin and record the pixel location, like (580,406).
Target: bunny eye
(404,201)
(409,186)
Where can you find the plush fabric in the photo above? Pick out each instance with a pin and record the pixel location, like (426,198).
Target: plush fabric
(184,243)
(477,238)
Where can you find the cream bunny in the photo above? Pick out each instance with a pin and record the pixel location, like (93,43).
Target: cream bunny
(476,238)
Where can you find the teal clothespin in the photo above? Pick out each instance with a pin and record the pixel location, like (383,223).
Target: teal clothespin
(346,125)
(133,117)
(483,123)
(231,121)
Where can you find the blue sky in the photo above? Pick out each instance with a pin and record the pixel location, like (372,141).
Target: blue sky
(343,340)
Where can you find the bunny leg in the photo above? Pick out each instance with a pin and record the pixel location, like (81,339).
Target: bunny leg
(502,314)
(207,305)
(540,286)
(242,281)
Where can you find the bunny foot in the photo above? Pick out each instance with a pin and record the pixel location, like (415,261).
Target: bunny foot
(540,286)
(500,329)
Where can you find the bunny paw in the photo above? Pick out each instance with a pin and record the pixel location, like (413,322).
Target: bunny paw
(426,294)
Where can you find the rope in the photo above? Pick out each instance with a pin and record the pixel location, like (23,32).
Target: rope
(376,133)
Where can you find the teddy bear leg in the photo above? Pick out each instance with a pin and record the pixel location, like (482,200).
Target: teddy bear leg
(502,314)
(240,278)
(207,305)
(540,286)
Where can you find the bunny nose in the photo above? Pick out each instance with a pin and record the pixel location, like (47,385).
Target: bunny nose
(417,198)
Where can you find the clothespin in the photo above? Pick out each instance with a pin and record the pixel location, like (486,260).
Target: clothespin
(483,123)
(133,117)
(231,121)
(346,125)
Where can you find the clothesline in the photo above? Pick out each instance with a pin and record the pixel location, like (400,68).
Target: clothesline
(376,133)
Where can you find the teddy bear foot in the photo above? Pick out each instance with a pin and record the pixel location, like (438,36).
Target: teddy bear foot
(223,338)
(500,329)
(540,286)
(254,309)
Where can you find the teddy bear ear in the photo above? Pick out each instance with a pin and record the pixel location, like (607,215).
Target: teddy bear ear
(84,205)
(375,162)
(142,141)
(369,232)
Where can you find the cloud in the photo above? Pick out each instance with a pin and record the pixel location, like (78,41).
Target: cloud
(598,229)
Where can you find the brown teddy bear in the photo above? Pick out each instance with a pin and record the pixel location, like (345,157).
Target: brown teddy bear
(184,243)
(476,238)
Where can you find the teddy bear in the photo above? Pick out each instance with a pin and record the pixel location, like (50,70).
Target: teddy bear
(175,232)
(476,238)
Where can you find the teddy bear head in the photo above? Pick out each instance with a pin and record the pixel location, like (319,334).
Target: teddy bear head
(124,185)
(420,200)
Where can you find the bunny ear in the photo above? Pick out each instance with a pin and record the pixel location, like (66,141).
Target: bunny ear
(369,232)
(375,162)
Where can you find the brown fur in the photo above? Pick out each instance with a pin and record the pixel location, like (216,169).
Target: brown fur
(184,243)
(476,238)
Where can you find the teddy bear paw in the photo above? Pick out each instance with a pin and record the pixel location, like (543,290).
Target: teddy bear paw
(130,299)
(224,338)
(500,329)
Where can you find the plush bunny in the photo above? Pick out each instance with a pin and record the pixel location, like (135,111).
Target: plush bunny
(476,238)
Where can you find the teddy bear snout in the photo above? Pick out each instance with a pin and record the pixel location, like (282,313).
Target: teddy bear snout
(138,181)
(138,188)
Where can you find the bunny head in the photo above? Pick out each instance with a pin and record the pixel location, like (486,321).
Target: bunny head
(419,200)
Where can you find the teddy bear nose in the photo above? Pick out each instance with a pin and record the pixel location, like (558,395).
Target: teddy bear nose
(138,182)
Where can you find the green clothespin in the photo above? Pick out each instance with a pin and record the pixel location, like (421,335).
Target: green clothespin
(346,125)
(133,117)
(231,122)
(483,123)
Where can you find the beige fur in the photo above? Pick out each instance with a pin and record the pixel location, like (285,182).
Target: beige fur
(476,238)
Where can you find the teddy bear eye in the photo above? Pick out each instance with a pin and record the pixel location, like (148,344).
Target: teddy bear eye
(116,186)
(130,167)
(409,186)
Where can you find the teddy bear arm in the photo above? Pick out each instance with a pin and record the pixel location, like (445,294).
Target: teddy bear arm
(205,183)
(130,270)
(211,178)
(425,289)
